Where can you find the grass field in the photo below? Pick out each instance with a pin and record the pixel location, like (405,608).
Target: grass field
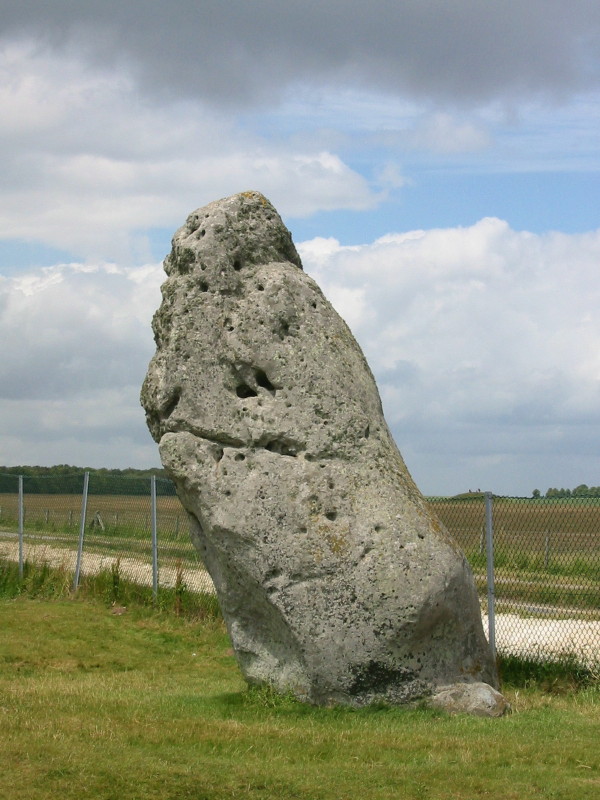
(126,515)
(546,552)
(144,705)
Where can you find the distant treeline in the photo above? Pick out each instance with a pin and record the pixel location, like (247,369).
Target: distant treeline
(579,491)
(66,479)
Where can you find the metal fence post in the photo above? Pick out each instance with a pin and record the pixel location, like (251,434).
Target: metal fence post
(491,595)
(21,526)
(154,538)
(84,498)
(546,550)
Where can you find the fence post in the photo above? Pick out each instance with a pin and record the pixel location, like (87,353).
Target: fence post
(84,497)
(154,538)
(21,526)
(491,595)
(546,550)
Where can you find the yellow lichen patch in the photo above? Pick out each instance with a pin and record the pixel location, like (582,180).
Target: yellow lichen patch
(337,542)
(256,196)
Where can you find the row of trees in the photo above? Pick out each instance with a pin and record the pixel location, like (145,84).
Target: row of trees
(65,479)
(583,490)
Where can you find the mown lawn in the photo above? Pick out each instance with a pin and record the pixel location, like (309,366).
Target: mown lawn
(145,705)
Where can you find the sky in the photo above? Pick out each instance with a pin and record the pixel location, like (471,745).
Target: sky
(438,165)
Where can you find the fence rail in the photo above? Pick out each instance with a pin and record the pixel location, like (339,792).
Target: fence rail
(536,562)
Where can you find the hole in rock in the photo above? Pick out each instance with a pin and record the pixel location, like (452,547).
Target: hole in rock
(237,264)
(243,390)
(202,233)
(240,457)
(377,528)
(262,380)
(203,286)
(281,447)
(273,573)
(218,454)
(367,431)
(260,287)
(331,515)
(172,404)
(284,329)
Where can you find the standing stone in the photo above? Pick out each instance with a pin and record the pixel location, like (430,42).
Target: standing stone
(335,580)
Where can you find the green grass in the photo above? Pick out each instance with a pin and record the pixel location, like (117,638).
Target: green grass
(147,705)
(39,581)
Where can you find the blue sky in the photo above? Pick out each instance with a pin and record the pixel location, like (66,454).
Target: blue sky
(437,163)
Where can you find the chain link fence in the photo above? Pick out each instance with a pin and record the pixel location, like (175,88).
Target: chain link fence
(540,589)
(133,528)
(536,562)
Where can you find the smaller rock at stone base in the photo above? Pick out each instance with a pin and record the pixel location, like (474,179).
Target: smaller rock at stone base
(479,699)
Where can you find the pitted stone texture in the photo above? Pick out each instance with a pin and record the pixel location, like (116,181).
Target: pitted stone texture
(335,580)
(477,699)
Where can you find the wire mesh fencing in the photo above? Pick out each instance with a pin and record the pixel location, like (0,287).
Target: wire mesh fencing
(134,529)
(545,576)
(536,561)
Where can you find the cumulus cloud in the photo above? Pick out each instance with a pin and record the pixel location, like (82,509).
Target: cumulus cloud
(119,118)
(484,341)
(76,343)
(89,166)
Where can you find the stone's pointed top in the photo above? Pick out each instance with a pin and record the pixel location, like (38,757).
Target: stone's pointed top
(235,202)
(244,229)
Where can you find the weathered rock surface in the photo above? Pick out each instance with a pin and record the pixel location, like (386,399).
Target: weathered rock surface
(478,699)
(335,580)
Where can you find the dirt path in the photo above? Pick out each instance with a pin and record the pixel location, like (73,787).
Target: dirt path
(196,580)
(541,638)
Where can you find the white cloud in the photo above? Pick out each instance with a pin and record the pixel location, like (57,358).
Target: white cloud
(76,344)
(484,341)
(88,164)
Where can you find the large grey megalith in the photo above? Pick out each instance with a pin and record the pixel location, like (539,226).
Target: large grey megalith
(335,580)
